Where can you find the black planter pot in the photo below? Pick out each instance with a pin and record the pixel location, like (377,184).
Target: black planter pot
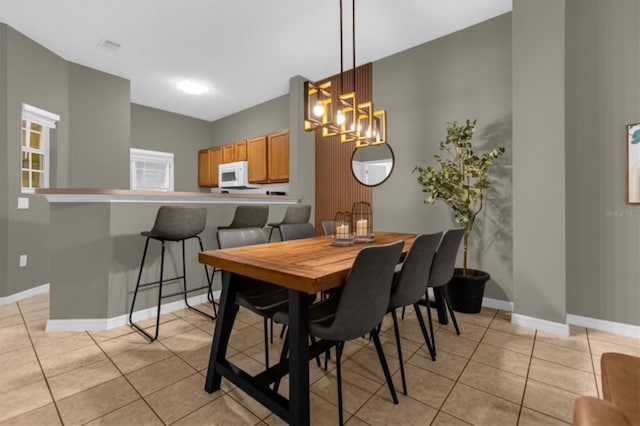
(466,291)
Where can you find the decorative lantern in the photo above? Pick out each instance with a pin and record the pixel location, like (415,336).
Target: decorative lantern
(342,234)
(362,219)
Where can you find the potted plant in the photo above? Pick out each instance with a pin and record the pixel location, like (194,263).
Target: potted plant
(461,182)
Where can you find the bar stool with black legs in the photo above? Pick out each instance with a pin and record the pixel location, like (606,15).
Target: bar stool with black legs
(295,214)
(173,224)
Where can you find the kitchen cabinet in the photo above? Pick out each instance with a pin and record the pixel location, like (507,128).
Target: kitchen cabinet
(278,157)
(257,159)
(216,160)
(208,162)
(240,151)
(227,153)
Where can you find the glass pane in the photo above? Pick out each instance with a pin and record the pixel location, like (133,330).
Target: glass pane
(25,160)
(36,179)
(34,140)
(37,161)
(25,180)
(24,138)
(24,124)
(36,127)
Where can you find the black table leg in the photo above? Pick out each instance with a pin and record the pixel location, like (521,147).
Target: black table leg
(224,324)
(299,412)
(440,304)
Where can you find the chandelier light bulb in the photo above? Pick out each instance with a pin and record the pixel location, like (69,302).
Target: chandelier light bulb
(318,109)
(340,117)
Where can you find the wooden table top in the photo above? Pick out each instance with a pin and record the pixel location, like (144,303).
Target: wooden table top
(310,264)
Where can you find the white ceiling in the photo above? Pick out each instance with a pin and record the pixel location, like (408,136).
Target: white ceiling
(246,50)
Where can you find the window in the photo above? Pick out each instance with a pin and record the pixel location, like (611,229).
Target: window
(151,170)
(36,125)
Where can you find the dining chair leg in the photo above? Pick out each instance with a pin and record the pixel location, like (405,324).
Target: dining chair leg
(283,331)
(433,336)
(266,342)
(271,330)
(313,341)
(209,281)
(403,309)
(385,367)
(399,348)
(445,295)
(339,347)
(283,356)
(416,306)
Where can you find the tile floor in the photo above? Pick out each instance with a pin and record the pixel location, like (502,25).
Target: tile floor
(495,373)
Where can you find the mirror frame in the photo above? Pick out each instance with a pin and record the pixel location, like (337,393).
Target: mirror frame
(393,165)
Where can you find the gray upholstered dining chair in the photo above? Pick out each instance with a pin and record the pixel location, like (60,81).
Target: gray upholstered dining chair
(442,269)
(410,285)
(172,224)
(249,216)
(361,307)
(328,227)
(299,213)
(296,231)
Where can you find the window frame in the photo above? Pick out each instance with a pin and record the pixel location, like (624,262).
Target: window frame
(48,121)
(138,154)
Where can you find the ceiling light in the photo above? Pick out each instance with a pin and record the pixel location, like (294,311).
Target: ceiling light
(191,87)
(338,113)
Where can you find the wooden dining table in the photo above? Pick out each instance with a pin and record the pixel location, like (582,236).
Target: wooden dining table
(310,265)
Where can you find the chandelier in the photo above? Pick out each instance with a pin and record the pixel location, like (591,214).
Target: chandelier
(337,113)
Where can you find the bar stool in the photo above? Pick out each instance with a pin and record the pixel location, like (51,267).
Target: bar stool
(294,214)
(175,224)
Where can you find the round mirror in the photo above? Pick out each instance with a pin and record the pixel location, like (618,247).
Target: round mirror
(371,165)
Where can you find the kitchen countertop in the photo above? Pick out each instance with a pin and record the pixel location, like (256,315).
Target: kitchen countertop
(84,195)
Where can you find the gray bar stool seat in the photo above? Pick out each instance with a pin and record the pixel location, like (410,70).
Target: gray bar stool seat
(295,214)
(172,224)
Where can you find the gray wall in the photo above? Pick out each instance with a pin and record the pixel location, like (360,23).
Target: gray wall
(463,75)
(602,97)
(37,77)
(4,174)
(165,131)
(100,133)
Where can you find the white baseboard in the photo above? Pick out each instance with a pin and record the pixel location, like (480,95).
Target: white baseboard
(35,291)
(540,324)
(502,305)
(101,324)
(604,325)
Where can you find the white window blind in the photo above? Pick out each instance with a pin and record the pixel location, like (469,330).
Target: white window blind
(151,170)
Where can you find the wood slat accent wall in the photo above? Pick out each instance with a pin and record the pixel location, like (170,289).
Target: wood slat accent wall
(336,188)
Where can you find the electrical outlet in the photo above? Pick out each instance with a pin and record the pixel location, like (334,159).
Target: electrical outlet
(23,203)
(23,260)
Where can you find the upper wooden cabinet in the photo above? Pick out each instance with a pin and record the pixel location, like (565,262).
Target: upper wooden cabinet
(257,158)
(278,157)
(240,151)
(227,153)
(208,162)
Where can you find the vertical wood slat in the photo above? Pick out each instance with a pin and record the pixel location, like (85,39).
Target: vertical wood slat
(336,188)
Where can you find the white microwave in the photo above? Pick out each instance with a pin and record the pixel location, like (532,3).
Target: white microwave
(233,175)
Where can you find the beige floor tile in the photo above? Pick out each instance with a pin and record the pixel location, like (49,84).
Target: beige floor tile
(22,400)
(18,357)
(597,367)
(245,338)
(223,411)
(246,363)
(503,359)
(458,345)
(96,402)
(382,411)
(480,408)
(181,398)
(257,351)
(47,415)
(249,403)
(63,345)
(127,342)
(481,319)
(577,340)
(199,358)
(533,418)
(549,400)
(75,381)
(354,421)
(467,330)
(140,357)
(137,413)
(248,317)
(567,357)
(520,344)
(599,384)
(356,389)
(17,376)
(494,381)
(447,364)
(40,336)
(59,364)
(566,378)
(617,339)
(9,310)
(422,385)
(409,330)
(367,364)
(159,375)
(101,336)
(164,320)
(13,338)
(323,413)
(33,306)
(34,300)
(444,419)
(598,347)
(11,320)
(33,317)
(501,323)
(409,347)
(187,341)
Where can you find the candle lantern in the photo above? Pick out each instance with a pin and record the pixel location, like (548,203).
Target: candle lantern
(362,219)
(342,231)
